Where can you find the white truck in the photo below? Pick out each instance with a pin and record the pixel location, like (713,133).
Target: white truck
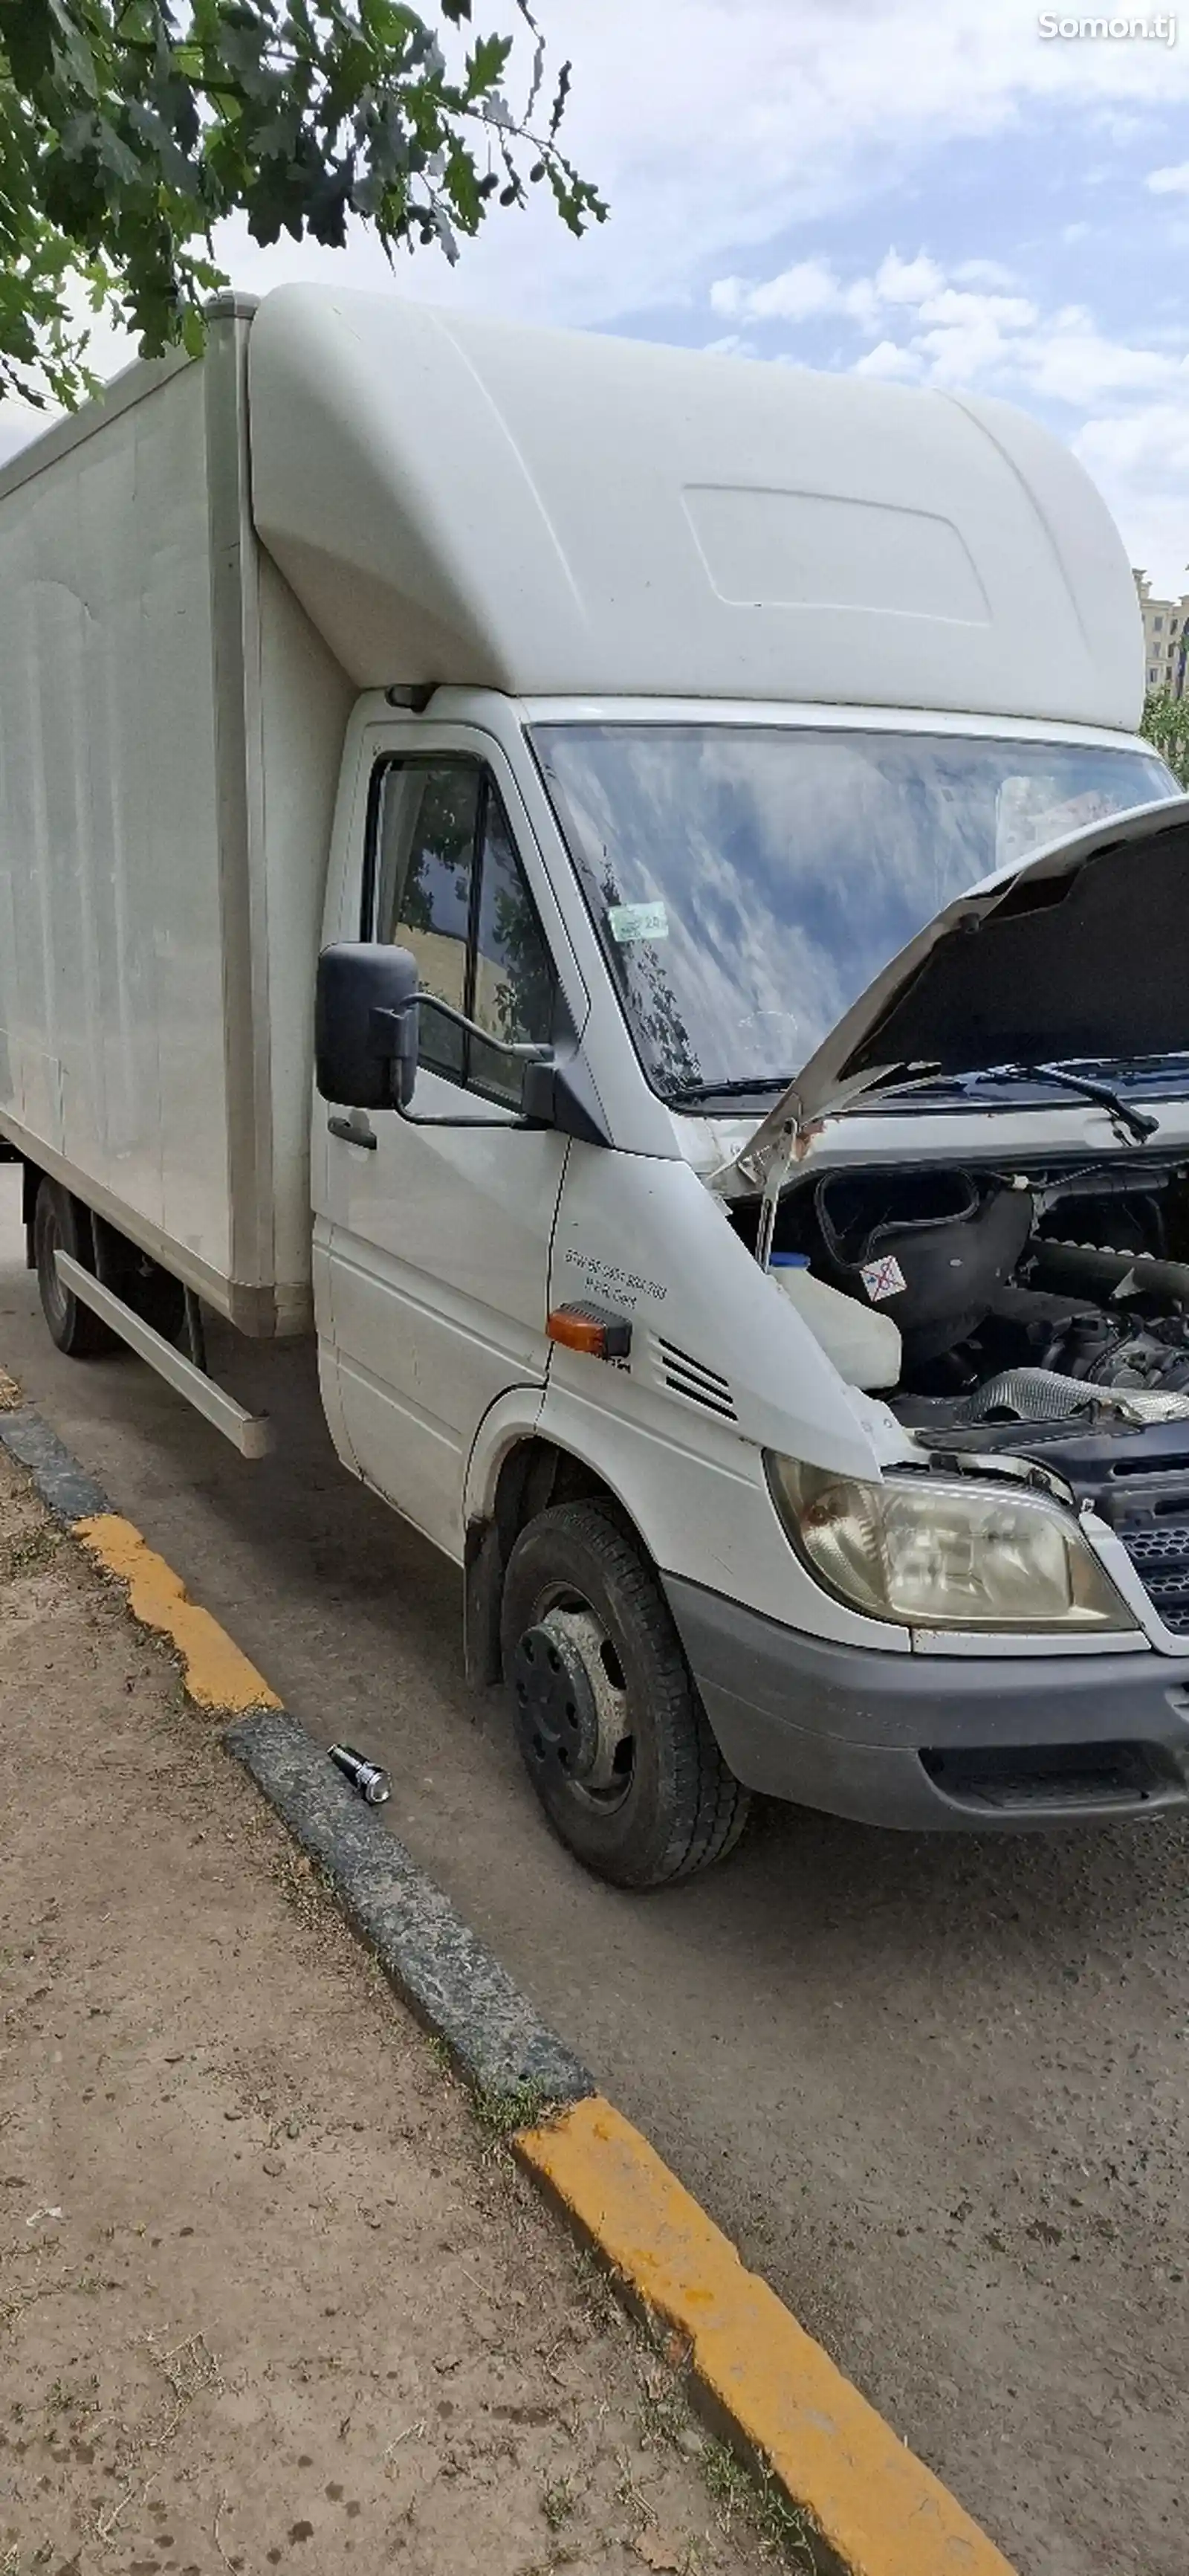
(621,888)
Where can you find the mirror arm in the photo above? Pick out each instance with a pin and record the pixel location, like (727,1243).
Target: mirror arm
(521,1049)
(557,1092)
(394,1039)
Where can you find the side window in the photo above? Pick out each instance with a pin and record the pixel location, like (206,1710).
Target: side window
(426,830)
(513,987)
(448,885)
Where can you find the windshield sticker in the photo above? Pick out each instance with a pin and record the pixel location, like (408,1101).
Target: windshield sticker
(628,921)
(883,1279)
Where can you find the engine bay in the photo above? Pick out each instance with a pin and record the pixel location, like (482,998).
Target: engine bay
(1056,1296)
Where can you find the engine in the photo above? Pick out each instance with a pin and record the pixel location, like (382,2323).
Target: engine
(1028,1297)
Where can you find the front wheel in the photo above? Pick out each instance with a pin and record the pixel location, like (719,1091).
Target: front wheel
(610,1726)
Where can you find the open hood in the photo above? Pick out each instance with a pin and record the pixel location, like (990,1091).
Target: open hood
(1081,950)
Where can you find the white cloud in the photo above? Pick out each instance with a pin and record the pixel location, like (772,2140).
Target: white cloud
(983,272)
(1082,367)
(953,304)
(1173,182)
(956,333)
(907,281)
(863,305)
(1061,357)
(1153,442)
(889,362)
(726,296)
(808,288)
(962,351)
(811,287)
(925,327)
(1120,125)
(1141,465)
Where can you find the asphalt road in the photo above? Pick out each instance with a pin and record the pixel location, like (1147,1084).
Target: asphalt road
(937,2090)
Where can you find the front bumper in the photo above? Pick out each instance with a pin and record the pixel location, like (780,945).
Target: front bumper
(934,1741)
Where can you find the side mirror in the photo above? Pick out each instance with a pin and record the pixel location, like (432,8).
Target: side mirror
(365,1026)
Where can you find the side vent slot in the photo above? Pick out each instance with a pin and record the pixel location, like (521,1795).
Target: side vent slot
(692,1379)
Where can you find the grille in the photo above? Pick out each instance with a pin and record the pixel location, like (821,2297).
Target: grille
(692,1379)
(1159,1552)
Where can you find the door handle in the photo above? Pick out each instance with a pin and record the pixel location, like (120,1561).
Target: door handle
(353,1131)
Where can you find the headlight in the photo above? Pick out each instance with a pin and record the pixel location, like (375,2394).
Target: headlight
(935,1555)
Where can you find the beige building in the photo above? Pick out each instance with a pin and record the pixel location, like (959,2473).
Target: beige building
(1165,622)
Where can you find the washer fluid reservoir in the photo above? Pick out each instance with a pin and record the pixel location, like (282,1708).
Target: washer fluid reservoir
(864,1346)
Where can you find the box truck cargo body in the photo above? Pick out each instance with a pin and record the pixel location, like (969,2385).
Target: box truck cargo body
(622,890)
(170,735)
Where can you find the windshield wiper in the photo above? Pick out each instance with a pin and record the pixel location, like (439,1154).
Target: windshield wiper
(1134,1123)
(688,1093)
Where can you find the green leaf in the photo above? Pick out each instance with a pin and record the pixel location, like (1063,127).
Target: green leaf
(70,48)
(486,64)
(114,153)
(128,128)
(561,96)
(28,43)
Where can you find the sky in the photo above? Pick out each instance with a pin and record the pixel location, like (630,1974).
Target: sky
(985,196)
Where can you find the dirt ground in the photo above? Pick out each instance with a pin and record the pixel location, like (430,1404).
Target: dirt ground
(936,2087)
(269,2295)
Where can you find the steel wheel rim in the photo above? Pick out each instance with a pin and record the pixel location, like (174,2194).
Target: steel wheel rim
(586,1630)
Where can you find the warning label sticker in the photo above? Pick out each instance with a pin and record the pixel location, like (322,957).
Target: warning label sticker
(883,1279)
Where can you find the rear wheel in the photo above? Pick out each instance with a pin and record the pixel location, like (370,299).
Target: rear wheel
(610,1726)
(56,1228)
(156,1296)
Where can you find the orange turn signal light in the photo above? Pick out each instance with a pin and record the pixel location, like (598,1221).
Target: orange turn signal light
(592,1329)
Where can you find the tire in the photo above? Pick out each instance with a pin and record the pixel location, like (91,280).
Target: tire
(590,1649)
(157,1297)
(72,1326)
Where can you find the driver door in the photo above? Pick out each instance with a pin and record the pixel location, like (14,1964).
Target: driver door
(438,1245)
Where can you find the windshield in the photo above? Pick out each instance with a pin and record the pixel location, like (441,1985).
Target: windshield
(748,882)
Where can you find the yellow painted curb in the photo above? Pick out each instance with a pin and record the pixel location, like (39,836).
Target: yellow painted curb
(217,1675)
(879,2509)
